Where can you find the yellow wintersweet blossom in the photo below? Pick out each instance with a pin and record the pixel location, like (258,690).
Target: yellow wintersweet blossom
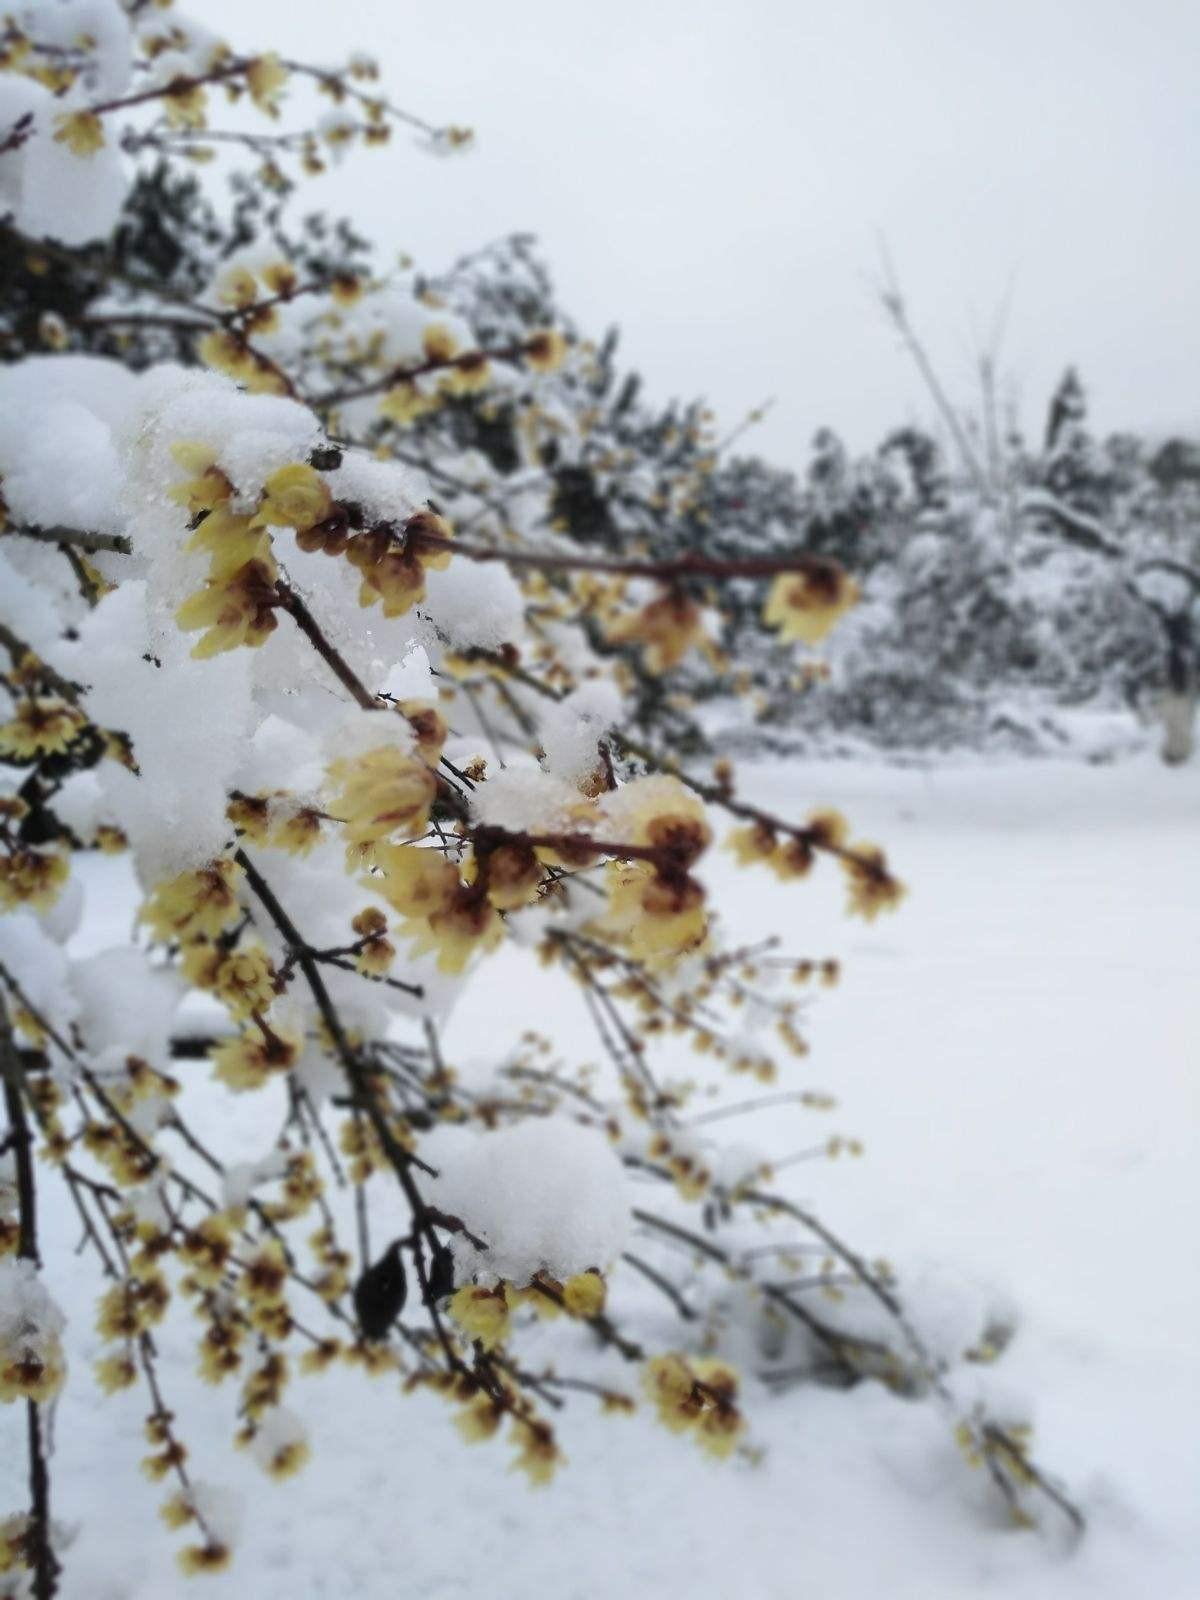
(872,888)
(467,926)
(224,352)
(289,1458)
(296,496)
(266,78)
(511,875)
(186,105)
(40,728)
(545,350)
(393,569)
(81,131)
(428,725)
(665,815)
(115,1372)
(279,277)
(754,842)
(194,1559)
(470,374)
(243,979)
(232,541)
(482,1314)
(383,792)
(584,1294)
(248,1061)
(698,1395)
(438,342)
(237,287)
(33,878)
(666,629)
(232,611)
(404,403)
(805,605)
(207,486)
(198,904)
(480,1418)
(537,1453)
(415,881)
(660,919)
(31,1369)
(669,1383)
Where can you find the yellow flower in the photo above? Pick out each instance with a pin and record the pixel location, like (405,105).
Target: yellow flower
(224,352)
(232,541)
(658,918)
(394,576)
(31,1368)
(382,793)
(662,813)
(237,610)
(671,1385)
(346,289)
(545,350)
(467,925)
(290,1457)
(428,725)
(872,888)
(81,131)
(115,1372)
(206,1249)
(186,105)
(666,629)
(470,374)
(237,287)
(243,979)
(482,1314)
(414,881)
(537,1452)
(805,605)
(248,1061)
(404,403)
(755,842)
(265,1274)
(438,342)
(584,1294)
(512,876)
(480,1418)
(280,277)
(32,878)
(221,1350)
(266,77)
(197,1558)
(195,905)
(296,830)
(793,858)
(297,497)
(176,1511)
(40,728)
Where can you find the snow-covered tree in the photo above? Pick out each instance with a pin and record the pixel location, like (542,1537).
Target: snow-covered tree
(319,583)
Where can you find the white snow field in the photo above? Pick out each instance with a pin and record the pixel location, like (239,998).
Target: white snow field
(1017,1048)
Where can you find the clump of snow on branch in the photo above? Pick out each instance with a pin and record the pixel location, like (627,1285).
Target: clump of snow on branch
(545,1195)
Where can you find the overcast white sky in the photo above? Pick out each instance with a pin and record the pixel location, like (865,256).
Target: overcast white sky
(714,176)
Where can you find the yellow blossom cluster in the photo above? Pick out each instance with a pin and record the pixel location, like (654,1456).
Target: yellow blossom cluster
(665,628)
(699,1397)
(805,605)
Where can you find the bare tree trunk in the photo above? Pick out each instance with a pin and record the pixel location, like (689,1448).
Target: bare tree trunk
(1177,713)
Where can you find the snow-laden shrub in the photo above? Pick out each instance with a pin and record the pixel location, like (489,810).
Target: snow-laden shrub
(310,606)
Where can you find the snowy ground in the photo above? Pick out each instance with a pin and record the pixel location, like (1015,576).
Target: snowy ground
(1017,1048)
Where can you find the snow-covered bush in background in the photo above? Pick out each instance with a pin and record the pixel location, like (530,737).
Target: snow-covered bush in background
(306,606)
